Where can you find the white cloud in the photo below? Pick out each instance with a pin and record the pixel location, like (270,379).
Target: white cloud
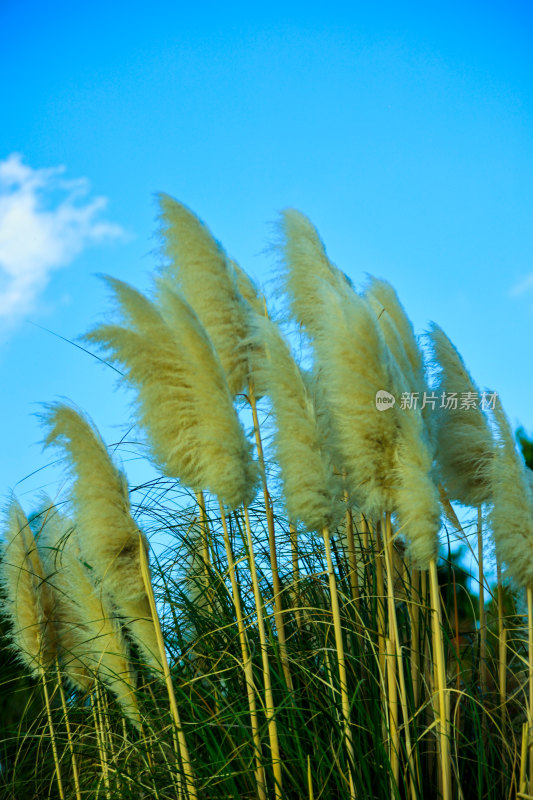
(45,222)
(523,286)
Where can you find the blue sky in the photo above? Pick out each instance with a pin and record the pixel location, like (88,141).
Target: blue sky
(404,131)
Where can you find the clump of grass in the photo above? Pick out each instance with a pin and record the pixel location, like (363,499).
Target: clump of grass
(308,645)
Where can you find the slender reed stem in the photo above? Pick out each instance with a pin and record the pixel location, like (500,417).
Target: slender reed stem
(310,792)
(440,683)
(293,533)
(182,742)
(457,710)
(380,598)
(100,739)
(206,560)
(352,558)
(523,758)
(73,760)
(276,583)
(482,615)
(414,618)
(337,625)
(246,661)
(52,734)
(269,698)
(398,657)
(529,592)
(502,649)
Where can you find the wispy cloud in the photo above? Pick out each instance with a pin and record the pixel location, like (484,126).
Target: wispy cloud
(45,222)
(522,286)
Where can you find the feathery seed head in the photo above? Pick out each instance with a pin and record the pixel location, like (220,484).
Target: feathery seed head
(200,269)
(464,439)
(353,364)
(385,453)
(90,639)
(511,515)
(306,268)
(107,534)
(29,601)
(312,491)
(184,402)
(385,294)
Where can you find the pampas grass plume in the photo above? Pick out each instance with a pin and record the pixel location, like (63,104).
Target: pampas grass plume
(248,290)
(306,267)
(89,637)
(386,454)
(354,363)
(107,533)
(312,491)
(385,294)
(416,498)
(464,439)
(511,515)
(29,600)
(202,272)
(184,402)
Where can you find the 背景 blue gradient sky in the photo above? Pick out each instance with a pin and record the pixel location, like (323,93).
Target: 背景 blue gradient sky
(403,130)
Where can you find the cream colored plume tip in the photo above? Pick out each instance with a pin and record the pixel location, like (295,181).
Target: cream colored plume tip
(385,294)
(305,267)
(198,267)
